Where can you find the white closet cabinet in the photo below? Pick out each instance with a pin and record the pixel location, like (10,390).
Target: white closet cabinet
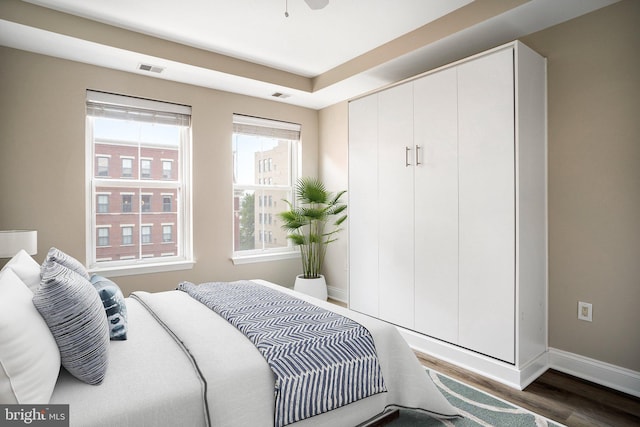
(447,192)
(436,205)
(395,210)
(486,192)
(363,158)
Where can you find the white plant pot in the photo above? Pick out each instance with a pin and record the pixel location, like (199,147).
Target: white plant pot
(314,287)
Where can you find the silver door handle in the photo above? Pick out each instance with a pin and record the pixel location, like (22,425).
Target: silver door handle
(418,155)
(406,156)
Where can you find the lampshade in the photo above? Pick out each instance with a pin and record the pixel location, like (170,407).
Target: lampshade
(11,241)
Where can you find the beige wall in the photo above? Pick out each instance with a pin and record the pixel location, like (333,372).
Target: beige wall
(333,167)
(42,149)
(594,180)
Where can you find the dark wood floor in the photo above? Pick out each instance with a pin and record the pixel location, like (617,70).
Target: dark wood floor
(557,396)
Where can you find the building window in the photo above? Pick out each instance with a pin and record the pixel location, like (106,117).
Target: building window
(166,203)
(102,203)
(145,234)
(103,236)
(167,233)
(265,167)
(166,169)
(102,166)
(127,235)
(145,203)
(135,131)
(145,168)
(127,203)
(127,167)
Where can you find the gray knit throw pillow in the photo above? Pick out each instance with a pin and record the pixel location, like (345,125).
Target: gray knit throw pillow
(74,313)
(66,260)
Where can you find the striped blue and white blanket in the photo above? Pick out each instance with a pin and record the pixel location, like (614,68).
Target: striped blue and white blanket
(321,360)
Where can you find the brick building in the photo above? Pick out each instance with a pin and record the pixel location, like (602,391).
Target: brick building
(271,168)
(137,221)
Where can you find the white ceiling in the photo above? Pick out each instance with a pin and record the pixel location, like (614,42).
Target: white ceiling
(308,43)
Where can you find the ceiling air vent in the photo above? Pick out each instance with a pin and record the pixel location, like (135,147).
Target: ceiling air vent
(150,68)
(280,95)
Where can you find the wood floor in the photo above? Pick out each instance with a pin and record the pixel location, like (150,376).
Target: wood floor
(557,396)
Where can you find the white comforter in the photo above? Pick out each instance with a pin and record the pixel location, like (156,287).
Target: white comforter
(152,382)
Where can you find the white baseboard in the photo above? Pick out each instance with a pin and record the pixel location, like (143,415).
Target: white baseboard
(496,370)
(337,294)
(614,377)
(605,374)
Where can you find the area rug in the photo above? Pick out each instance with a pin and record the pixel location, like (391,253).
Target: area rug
(476,408)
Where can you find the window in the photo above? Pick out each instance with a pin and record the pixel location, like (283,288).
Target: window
(166,169)
(145,202)
(127,203)
(103,203)
(166,203)
(103,236)
(136,131)
(103,165)
(167,233)
(146,234)
(145,168)
(127,167)
(265,160)
(127,235)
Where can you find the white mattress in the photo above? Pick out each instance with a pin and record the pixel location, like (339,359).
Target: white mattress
(151,381)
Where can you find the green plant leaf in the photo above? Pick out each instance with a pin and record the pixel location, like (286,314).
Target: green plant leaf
(311,190)
(307,222)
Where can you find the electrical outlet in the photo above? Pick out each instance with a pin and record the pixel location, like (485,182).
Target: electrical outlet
(585,311)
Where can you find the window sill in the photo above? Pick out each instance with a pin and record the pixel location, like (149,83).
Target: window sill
(146,268)
(250,259)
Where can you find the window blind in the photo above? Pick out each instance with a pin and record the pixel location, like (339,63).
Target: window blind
(112,106)
(255,126)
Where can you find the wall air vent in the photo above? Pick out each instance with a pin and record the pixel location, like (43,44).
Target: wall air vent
(150,68)
(280,95)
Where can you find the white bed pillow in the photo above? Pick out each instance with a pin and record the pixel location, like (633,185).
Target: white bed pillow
(29,356)
(66,260)
(26,268)
(74,313)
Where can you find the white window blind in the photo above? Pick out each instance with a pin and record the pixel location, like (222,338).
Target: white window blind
(113,106)
(256,126)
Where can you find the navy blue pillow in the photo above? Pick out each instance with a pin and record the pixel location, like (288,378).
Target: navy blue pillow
(114,306)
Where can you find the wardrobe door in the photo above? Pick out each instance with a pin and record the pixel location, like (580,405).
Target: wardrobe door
(363,205)
(487,205)
(395,204)
(436,205)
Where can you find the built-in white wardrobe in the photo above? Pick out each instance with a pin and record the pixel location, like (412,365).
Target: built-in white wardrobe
(447,211)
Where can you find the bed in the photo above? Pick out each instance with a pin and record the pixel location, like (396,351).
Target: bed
(183,364)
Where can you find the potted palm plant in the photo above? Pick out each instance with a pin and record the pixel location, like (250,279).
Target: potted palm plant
(312,223)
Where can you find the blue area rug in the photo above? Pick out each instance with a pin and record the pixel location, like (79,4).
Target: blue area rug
(476,407)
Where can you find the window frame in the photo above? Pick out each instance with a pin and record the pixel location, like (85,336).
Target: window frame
(264,165)
(182,184)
